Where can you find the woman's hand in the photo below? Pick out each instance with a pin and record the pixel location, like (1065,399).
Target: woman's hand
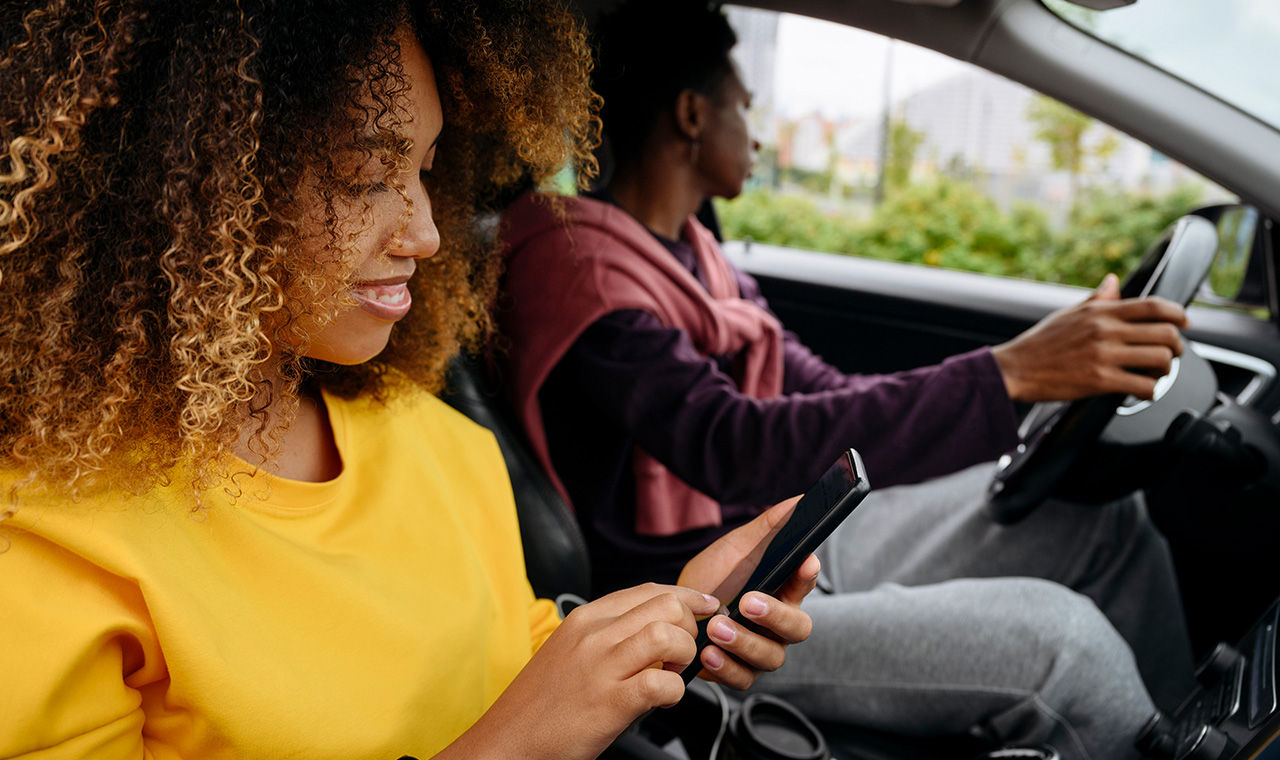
(607,664)
(752,652)
(620,656)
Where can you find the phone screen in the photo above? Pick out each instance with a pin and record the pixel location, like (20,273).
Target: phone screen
(779,554)
(842,480)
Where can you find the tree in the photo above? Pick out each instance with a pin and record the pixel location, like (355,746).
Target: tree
(903,144)
(830,173)
(1063,129)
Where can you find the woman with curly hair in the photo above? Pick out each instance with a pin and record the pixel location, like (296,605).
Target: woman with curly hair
(237,523)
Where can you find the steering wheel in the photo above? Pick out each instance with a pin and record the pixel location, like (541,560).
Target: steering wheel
(1054,434)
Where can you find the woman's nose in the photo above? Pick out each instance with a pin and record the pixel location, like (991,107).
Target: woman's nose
(420,239)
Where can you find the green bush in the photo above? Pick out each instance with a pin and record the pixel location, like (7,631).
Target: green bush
(951,223)
(1108,231)
(786,220)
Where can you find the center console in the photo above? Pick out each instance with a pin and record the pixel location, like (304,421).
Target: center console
(1234,713)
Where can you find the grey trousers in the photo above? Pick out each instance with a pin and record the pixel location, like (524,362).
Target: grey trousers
(935,620)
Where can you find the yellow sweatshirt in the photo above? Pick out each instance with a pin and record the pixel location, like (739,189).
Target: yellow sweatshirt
(372,616)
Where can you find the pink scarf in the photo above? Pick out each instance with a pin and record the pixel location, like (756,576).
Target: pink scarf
(574,260)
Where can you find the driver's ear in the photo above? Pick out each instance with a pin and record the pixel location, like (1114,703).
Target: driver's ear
(691,114)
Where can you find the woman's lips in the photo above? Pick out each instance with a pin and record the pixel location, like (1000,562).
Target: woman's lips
(384,301)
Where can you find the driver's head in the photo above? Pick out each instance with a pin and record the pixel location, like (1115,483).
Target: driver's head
(665,74)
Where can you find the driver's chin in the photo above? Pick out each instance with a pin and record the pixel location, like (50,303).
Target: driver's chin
(732,189)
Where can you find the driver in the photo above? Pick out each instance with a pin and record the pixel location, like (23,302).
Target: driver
(670,405)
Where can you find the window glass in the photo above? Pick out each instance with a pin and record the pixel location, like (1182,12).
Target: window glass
(878,148)
(1229,48)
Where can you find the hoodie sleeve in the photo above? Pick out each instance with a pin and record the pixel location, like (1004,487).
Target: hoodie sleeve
(652,386)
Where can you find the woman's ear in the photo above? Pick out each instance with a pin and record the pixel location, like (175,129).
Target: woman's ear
(690,113)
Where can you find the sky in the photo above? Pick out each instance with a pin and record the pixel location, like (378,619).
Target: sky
(1229,47)
(838,71)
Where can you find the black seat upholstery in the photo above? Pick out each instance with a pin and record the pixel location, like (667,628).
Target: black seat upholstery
(555,553)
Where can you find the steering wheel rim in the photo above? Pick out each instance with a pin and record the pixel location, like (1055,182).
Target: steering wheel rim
(1173,269)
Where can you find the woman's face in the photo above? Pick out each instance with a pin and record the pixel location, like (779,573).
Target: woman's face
(399,230)
(727,148)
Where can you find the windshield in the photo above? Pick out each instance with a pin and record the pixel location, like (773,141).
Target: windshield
(1229,48)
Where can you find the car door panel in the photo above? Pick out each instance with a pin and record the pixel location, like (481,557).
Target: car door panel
(876,316)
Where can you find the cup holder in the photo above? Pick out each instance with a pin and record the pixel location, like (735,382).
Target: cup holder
(767,728)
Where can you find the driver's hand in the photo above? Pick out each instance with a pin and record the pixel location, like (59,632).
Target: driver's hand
(1101,345)
(739,654)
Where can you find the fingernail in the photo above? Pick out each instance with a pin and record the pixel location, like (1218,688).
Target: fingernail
(711,600)
(721,631)
(712,658)
(754,606)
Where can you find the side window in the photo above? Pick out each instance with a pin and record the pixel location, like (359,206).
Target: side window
(878,148)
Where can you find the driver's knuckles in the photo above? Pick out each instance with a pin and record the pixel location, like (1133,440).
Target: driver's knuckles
(1161,310)
(1163,360)
(1140,385)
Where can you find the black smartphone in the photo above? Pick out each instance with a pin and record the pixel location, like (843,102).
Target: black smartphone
(779,554)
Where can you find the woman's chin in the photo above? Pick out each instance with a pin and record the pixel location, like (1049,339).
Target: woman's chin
(349,353)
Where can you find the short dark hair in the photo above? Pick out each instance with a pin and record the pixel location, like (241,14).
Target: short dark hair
(648,52)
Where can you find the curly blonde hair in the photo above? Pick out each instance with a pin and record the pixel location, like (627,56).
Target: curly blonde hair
(152,157)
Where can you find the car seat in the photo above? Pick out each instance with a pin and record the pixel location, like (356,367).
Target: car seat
(557,562)
(555,553)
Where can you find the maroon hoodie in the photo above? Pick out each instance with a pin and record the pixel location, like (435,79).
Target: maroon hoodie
(630,381)
(559,243)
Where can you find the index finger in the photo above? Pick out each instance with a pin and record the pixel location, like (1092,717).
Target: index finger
(626,599)
(713,564)
(745,537)
(1151,309)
